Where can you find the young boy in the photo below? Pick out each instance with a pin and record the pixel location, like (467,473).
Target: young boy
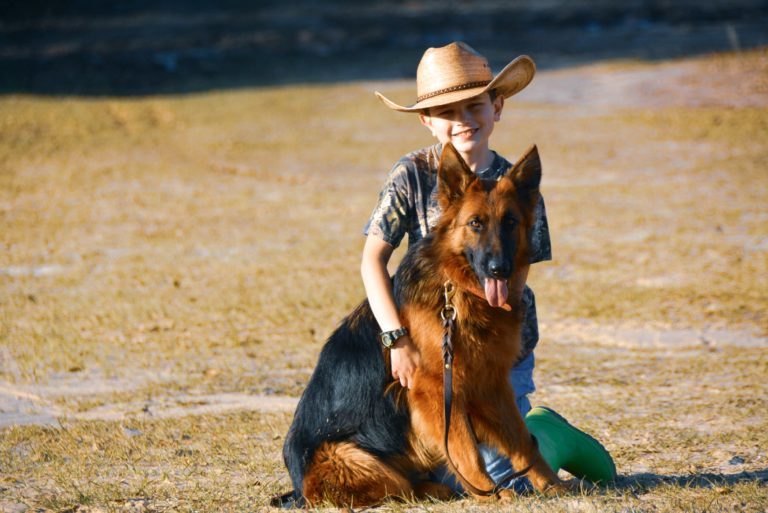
(459,101)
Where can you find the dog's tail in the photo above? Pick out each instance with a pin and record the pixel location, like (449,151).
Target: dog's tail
(288,500)
(296,454)
(295,457)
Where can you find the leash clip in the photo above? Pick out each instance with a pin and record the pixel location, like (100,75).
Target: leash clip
(449,311)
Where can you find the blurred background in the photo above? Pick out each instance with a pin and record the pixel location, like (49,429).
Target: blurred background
(142,46)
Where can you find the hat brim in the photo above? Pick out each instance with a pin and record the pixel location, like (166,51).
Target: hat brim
(511,80)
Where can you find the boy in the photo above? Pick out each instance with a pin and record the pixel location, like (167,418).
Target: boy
(459,101)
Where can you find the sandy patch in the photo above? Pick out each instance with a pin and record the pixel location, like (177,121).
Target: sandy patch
(737,82)
(633,337)
(41,404)
(19,407)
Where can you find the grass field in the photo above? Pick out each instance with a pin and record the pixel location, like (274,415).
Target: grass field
(170,266)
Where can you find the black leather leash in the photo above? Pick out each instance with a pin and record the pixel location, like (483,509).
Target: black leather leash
(448,314)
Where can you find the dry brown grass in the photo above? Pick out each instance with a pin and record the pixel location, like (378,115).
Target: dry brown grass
(170,246)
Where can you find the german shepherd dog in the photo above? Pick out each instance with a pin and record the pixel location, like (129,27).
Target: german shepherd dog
(357,437)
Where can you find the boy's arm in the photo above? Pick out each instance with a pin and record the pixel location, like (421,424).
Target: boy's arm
(378,288)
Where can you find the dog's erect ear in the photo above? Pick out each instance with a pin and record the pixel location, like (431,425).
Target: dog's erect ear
(526,174)
(453,176)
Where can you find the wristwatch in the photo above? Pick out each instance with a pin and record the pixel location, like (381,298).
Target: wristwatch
(388,338)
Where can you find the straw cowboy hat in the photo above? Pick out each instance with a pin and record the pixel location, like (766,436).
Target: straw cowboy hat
(456,72)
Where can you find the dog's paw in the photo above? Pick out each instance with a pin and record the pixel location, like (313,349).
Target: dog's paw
(560,487)
(506,495)
(432,490)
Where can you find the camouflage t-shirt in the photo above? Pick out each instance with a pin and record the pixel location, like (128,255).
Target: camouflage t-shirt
(408,205)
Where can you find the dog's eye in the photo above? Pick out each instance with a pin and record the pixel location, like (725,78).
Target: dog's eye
(510,221)
(475,223)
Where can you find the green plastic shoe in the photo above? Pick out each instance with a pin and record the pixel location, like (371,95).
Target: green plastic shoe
(565,447)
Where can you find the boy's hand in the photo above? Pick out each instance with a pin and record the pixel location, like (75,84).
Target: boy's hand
(405,359)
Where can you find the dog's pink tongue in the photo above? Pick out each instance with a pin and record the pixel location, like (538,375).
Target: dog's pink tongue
(496,292)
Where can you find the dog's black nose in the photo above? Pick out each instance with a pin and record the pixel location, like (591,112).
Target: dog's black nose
(498,268)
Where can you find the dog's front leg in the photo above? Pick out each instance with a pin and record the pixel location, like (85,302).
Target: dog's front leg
(427,422)
(502,426)
(464,454)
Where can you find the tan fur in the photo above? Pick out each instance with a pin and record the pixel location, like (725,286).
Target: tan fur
(342,473)
(488,343)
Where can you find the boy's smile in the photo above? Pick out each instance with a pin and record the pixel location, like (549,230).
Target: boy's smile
(465,134)
(467,125)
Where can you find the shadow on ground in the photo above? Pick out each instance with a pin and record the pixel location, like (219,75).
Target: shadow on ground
(168,46)
(647,481)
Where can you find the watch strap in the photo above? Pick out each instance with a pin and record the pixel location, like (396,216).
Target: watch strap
(388,338)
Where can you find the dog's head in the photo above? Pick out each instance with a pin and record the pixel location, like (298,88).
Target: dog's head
(486,223)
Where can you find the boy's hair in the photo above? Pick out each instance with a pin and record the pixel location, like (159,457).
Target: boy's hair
(492,94)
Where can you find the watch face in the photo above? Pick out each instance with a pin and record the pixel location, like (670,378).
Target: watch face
(388,338)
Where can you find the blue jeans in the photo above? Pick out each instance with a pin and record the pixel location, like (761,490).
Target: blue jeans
(497,465)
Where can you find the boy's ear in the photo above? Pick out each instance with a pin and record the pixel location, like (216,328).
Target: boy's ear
(526,174)
(498,106)
(453,176)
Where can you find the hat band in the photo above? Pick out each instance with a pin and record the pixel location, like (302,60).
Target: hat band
(461,87)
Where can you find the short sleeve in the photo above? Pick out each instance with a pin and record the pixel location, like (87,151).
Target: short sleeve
(541,246)
(389,219)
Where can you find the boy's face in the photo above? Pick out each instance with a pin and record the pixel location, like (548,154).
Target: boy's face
(466,124)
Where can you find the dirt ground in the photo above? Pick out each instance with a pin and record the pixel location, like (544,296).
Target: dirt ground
(172,264)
